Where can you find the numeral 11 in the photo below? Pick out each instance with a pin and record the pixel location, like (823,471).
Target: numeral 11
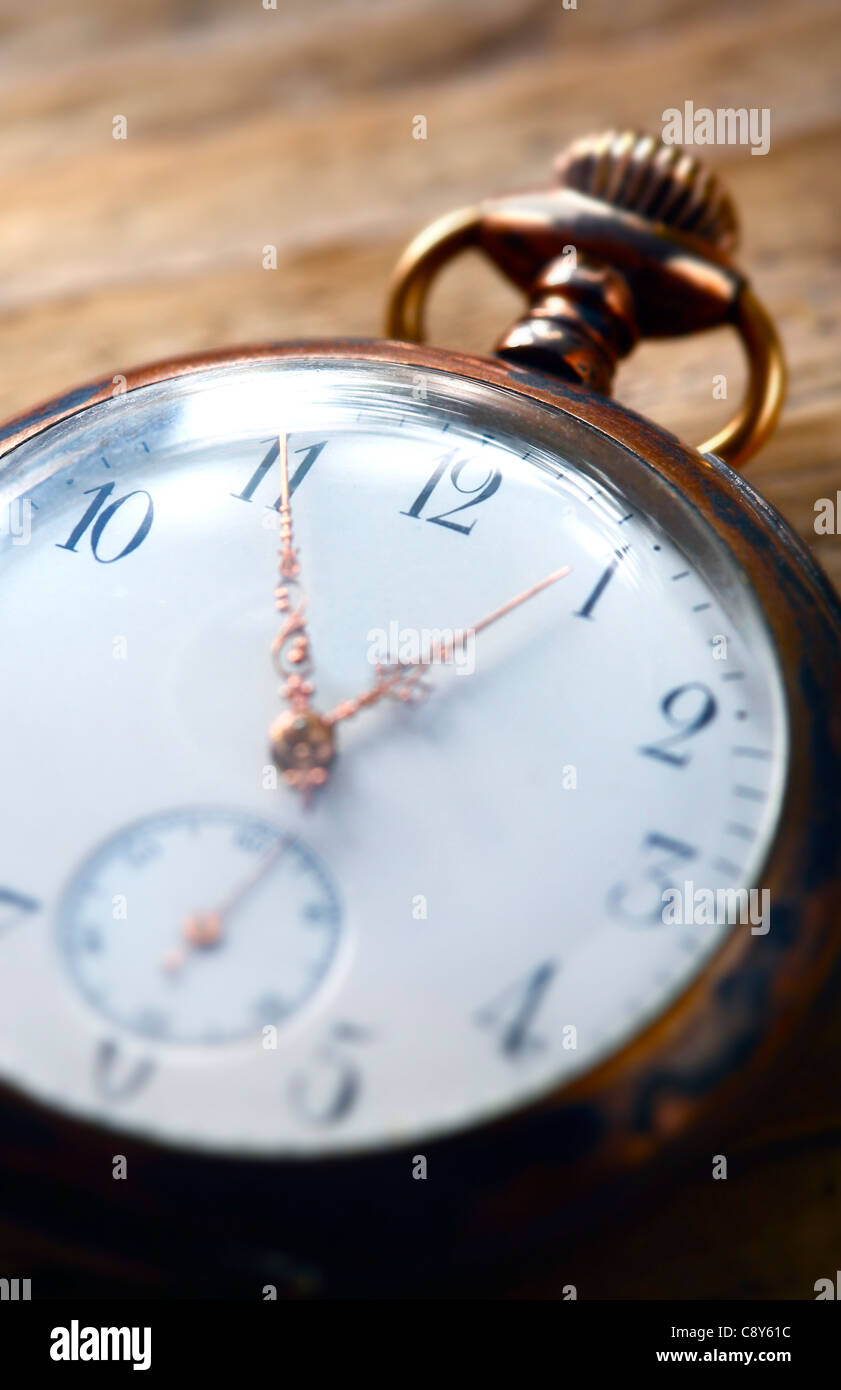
(270,458)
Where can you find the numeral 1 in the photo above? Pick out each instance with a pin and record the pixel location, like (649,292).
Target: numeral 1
(604,580)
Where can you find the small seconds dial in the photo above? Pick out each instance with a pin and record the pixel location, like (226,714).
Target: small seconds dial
(200,926)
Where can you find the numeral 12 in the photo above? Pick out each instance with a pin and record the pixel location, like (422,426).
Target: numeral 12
(477,494)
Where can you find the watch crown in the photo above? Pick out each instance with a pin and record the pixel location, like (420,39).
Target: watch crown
(661,183)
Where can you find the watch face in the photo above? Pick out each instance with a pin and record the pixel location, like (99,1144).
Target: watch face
(498,884)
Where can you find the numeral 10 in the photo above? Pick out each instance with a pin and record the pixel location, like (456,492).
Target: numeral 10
(97,518)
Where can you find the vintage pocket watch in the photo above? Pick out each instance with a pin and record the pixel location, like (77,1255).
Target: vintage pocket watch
(381,969)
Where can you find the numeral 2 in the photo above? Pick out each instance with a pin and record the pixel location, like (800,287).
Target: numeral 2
(701,712)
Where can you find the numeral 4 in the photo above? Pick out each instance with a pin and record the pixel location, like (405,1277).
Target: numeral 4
(511,1014)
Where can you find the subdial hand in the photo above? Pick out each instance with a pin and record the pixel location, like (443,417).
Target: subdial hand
(301,743)
(403,682)
(202,930)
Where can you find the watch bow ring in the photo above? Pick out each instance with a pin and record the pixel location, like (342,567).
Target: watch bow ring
(652,236)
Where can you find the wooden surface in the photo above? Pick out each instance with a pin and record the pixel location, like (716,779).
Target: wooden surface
(248,127)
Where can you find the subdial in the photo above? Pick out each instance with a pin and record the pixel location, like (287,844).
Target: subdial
(200,925)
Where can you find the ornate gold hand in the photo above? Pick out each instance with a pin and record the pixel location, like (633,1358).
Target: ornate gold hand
(301,743)
(402,683)
(291,646)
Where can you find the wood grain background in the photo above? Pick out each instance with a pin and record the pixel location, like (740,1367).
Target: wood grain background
(293,127)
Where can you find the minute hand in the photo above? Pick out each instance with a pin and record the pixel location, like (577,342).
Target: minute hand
(408,674)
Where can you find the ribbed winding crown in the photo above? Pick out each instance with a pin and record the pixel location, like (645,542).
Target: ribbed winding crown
(661,183)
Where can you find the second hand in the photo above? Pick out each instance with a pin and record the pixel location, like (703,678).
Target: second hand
(207,928)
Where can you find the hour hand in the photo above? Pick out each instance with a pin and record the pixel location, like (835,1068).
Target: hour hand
(291,646)
(302,745)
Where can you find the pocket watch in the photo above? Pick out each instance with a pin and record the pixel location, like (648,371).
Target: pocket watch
(421,773)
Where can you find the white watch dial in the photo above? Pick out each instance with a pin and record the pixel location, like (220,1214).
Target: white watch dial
(470,912)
